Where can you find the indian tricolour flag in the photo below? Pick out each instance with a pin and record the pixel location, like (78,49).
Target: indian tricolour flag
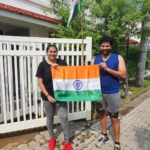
(75,9)
(76,83)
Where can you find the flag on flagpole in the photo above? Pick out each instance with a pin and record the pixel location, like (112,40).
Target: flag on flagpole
(76,83)
(75,9)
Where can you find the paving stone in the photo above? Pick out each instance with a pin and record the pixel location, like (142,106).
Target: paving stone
(23,147)
(43,133)
(135,133)
(32,143)
(11,148)
(36,147)
(38,137)
(45,145)
(42,141)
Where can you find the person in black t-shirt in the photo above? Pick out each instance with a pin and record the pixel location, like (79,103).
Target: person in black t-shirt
(50,103)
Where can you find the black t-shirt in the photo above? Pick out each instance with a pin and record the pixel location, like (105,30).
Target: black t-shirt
(44,72)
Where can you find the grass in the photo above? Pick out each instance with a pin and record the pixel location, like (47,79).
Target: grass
(135,91)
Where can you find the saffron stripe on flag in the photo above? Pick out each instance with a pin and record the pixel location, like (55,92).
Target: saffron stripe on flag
(93,95)
(78,72)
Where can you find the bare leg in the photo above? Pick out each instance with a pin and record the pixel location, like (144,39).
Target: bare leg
(103,122)
(116,128)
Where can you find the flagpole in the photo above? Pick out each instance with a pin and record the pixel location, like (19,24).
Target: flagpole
(82,46)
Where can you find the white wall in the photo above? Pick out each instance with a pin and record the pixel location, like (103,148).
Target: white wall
(34,29)
(37,6)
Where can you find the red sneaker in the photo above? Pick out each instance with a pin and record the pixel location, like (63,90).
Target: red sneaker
(67,146)
(51,144)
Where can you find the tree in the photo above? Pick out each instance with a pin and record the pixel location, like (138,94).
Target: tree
(118,18)
(121,20)
(143,55)
(145,35)
(62,9)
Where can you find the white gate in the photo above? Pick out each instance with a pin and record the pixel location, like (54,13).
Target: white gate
(20,104)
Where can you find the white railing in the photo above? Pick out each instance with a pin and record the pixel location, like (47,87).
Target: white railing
(20,104)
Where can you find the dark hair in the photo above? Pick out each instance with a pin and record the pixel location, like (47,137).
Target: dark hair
(51,45)
(106,39)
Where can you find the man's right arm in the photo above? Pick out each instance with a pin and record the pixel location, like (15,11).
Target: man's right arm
(120,73)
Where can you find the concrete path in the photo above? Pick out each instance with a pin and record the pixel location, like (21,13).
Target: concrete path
(135,133)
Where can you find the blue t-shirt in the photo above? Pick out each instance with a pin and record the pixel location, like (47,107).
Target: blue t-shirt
(109,83)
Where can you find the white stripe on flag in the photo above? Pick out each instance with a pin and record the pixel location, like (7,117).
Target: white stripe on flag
(73,85)
(71,13)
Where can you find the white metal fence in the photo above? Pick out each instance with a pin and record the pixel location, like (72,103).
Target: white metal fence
(20,104)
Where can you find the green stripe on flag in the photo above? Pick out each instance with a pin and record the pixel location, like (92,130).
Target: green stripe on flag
(74,11)
(93,95)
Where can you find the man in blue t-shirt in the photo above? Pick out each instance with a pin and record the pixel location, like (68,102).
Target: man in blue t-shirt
(112,68)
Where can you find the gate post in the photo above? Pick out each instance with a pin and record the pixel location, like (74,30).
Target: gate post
(89,58)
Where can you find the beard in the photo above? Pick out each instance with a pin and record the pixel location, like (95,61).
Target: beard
(106,52)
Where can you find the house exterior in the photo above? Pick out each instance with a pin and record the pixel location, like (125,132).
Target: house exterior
(27,18)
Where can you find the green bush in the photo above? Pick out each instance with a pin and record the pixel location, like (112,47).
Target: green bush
(133,57)
(132,60)
(148,60)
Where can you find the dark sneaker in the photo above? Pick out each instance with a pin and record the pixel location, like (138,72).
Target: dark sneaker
(117,147)
(102,140)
